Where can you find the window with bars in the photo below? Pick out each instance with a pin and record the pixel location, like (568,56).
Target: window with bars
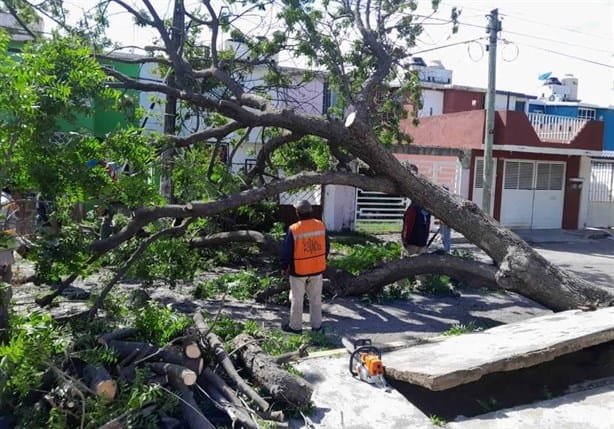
(329,97)
(478,180)
(550,177)
(602,182)
(584,113)
(518,175)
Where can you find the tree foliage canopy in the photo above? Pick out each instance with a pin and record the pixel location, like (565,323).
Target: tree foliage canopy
(222,63)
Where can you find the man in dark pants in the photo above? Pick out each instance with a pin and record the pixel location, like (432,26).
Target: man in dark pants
(303,258)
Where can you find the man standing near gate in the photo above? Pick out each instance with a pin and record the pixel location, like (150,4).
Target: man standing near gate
(303,258)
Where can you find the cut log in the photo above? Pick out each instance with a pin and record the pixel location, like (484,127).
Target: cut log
(176,372)
(282,385)
(119,422)
(192,414)
(234,409)
(138,351)
(169,423)
(191,349)
(100,381)
(217,346)
(208,377)
(144,352)
(116,335)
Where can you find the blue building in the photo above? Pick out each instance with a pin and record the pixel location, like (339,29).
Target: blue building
(558,98)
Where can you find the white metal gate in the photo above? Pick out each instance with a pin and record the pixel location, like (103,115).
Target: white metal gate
(533,194)
(601,195)
(379,207)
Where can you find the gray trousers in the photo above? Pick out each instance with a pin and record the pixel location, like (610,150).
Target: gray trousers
(312,285)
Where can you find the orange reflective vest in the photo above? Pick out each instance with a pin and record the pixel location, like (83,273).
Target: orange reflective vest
(309,247)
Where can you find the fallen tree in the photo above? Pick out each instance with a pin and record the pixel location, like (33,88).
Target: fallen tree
(341,283)
(290,137)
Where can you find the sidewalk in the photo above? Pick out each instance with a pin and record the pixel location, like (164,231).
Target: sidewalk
(536,236)
(338,396)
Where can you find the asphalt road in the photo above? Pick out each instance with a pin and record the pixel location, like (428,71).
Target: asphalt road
(592,260)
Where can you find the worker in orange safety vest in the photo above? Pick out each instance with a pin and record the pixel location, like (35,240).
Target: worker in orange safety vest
(303,258)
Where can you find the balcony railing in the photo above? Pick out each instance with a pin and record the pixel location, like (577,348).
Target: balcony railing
(553,128)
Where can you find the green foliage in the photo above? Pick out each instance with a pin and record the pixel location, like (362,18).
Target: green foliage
(379,228)
(433,284)
(437,421)
(460,329)
(242,285)
(34,340)
(60,254)
(159,324)
(361,258)
(225,327)
(308,153)
(400,290)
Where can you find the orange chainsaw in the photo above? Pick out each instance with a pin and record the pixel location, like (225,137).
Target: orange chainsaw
(366,363)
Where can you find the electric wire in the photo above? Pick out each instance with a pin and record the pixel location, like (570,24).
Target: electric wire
(531,21)
(586,60)
(448,45)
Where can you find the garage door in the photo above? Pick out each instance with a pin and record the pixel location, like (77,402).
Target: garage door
(532,194)
(601,195)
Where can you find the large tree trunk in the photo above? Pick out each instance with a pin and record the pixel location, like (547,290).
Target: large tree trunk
(341,283)
(521,268)
(282,385)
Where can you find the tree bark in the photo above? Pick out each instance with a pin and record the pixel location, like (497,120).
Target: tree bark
(100,381)
(341,283)
(135,352)
(175,372)
(217,346)
(282,385)
(116,335)
(521,268)
(233,408)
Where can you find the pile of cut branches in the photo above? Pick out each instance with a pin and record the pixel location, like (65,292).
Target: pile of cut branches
(180,384)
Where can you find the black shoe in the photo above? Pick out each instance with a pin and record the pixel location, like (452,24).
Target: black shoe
(286,328)
(320,329)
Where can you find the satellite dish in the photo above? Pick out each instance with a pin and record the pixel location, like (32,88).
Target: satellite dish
(544,76)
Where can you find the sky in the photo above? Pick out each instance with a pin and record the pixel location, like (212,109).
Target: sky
(538,36)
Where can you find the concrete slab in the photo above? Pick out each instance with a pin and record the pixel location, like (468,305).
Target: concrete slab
(342,401)
(592,409)
(466,358)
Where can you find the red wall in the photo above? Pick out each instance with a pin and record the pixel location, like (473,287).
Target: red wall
(571,198)
(464,130)
(514,128)
(458,100)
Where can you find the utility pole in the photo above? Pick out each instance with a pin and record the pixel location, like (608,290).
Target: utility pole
(170,110)
(494,26)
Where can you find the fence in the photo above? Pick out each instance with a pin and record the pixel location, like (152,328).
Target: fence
(553,128)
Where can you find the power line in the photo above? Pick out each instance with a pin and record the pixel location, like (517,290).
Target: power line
(545,24)
(448,46)
(557,41)
(522,18)
(566,55)
(467,24)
